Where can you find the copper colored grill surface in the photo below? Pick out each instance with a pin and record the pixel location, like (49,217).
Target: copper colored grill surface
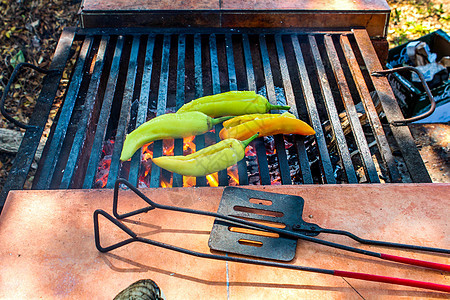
(48,246)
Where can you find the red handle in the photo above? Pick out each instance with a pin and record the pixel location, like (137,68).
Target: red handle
(393,280)
(416,262)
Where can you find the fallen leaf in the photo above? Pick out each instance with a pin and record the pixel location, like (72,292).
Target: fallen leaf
(17,59)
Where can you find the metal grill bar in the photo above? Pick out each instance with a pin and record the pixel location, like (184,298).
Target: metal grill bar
(144,96)
(100,132)
(200,139)
(161,108)
(279,140)
(178,143)
(232,81)
(222,175)
(289,93)
(332,113)
(91,97)
(230,62)
(259,142)
(370,109)
(327,168)
(66,113)
(401,134)
(124,113)
(351,111)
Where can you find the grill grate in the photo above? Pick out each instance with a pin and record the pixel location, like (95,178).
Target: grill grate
(122,77)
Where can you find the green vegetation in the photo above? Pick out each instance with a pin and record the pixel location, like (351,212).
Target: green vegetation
(411,19)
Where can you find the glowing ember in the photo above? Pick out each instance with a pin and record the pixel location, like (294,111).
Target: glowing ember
(102,174)
(250,151)
(166,178)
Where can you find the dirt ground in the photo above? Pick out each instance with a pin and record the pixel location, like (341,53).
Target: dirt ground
(29,31)
(433,142)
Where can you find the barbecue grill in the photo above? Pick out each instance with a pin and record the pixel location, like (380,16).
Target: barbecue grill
(122,77)
(134,60)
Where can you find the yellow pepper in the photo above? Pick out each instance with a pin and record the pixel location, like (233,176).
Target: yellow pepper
(168,126)
(207,160)
(243,127)
(234,103)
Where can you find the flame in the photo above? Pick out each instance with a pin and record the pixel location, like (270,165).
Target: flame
(168,146)
(165,183)
(188,145)
(233,173)
(147,153)
(168,149)
(213,179)
(189,181)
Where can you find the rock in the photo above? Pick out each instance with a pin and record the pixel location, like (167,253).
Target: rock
(10,142)
(145,289)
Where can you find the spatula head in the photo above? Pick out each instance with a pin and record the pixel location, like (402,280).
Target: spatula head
(271,209)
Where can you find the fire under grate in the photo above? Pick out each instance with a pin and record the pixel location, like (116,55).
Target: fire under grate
(124,77)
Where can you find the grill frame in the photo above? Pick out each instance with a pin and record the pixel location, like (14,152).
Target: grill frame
(104,88)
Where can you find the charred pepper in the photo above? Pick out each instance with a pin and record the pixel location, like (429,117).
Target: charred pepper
(243,127)
(207,160)
(168,126)
(233,103)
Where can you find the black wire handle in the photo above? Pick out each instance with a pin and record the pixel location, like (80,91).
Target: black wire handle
(234,220)
(299,230)
(425,86)
(135,238)
(382,243)
(241,222)
(362,276)
(8,86)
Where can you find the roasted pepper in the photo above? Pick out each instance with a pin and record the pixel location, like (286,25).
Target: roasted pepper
(234,103)
(207,160)
(168,126)
(243,127)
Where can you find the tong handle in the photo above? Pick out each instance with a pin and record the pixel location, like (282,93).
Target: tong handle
(416,262)
(287,233)
(381,243)
(394,280)
(347,274)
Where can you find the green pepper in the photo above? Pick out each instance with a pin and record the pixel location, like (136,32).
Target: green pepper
(234,103)
(207,160)
(168,126)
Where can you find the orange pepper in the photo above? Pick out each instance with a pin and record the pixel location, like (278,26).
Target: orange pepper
(243,127)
